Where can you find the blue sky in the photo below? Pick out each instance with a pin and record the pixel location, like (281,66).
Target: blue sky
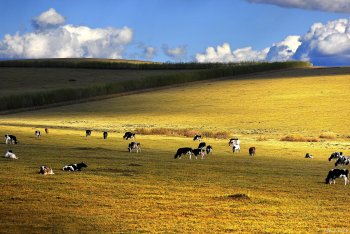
(179,30)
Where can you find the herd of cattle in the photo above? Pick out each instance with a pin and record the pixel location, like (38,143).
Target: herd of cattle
(202,148)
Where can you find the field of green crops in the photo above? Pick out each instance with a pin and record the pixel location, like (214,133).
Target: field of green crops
(276,191)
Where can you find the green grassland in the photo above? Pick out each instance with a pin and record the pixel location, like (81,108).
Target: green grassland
(277,191)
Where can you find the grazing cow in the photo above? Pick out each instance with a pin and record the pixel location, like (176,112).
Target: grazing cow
(88,133)
(129,135)
(337,173)
(44,170)
(197,152)
(105,134)
(335,155)
(209,149)
(37,133)
(235,143)
(342,160)
(201,145)
(134,146)
(252,151)
(10,139)
(10,155)
(307,155)
(185,150)
(46,130)
(197,137)
(74,167)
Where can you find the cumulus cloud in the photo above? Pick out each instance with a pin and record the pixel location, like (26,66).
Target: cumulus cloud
(48,19)
(284,50)
(53,39)
(177,53)
(326,44)
(224,54)
(320,5)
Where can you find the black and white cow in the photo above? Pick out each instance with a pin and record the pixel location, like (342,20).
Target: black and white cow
(88,133)
(134,146)
(209,149)
(337,173)
(335,155)
(252,151)
(37,133)
(9,154)
(181,151)
(10,139)
(235,143)
(197,137)
(74,167)
(129,135)
(342,160)
(105,135)
(201,145)
(44,170)
(307,155)
(197,152)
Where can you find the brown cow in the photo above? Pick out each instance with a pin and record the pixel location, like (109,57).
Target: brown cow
(252,151)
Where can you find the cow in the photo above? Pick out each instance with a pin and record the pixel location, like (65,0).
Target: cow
(337,173)
(105,134)
(44,170)
(197,137)
(342,160)
(181,151)
(37,133)
(201,145)
(134,146)
(197,152)
(235,143)
(209,149)
(46,130)
(252,151)
(335,155)
(74,167)
(9,154)
(129,135)
(10,139)
(307,155)
(88,133)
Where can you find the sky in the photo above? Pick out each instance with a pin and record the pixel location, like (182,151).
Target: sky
(178,30)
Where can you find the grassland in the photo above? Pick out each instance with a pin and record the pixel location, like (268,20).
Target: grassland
(277,191)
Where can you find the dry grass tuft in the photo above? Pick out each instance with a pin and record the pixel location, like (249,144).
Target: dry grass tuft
(299,138)
(181,132)
(239,196)
(328,135)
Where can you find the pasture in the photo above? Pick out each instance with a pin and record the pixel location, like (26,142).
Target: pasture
(276,191)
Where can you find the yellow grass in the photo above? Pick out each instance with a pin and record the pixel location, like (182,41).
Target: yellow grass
(276,191)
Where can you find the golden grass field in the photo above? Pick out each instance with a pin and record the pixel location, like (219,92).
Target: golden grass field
(276,191)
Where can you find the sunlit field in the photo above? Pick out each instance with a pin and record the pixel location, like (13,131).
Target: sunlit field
(276,191)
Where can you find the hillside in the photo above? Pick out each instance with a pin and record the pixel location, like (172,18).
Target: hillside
(35,83)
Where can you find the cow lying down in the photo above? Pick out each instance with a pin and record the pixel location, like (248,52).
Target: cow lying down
(74,167)
(44,170)
(10,155)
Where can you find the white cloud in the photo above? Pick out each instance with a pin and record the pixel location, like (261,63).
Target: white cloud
(326,44)
(284,50)
(224,54)
(54,40)
(175,53)
(48,19)
(321,5)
